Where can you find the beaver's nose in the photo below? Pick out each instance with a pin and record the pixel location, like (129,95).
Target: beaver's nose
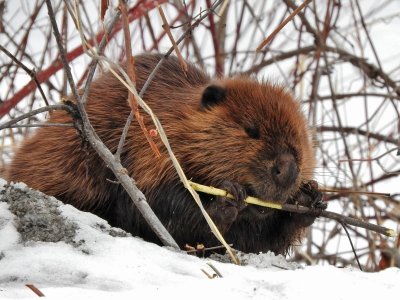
(285,170)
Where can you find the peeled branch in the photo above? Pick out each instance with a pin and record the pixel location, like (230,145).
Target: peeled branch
(298,209)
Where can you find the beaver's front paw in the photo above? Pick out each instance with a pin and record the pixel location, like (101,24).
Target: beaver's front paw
(311,197)
(223,210)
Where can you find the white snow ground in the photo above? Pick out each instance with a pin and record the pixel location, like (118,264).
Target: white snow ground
(100,266)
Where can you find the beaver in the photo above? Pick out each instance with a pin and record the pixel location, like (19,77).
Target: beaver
(245,136)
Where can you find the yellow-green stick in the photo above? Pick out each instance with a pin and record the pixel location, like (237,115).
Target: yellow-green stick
(298,209)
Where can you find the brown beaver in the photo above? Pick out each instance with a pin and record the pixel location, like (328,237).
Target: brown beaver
(239,134)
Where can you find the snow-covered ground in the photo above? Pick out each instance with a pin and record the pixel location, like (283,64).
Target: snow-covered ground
(68,254)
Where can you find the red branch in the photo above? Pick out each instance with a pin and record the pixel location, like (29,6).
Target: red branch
(219,66)
(134,13)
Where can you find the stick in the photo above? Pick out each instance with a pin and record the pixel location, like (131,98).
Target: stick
(171,38)
(298,209)
(130,66)
(283,24)
(31,73)
(119,171)
(35,112)
(35,290)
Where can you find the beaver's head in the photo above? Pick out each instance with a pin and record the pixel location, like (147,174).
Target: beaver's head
(251,133)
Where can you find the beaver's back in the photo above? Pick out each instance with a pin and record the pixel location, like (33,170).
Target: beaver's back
(55,161)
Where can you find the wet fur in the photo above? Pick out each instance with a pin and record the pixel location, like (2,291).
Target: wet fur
(211,142)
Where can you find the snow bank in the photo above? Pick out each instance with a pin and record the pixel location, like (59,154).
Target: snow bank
(69,254)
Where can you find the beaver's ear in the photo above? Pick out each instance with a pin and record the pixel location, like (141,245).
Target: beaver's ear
(212,95)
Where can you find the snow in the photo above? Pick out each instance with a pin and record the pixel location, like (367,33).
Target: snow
(105,263)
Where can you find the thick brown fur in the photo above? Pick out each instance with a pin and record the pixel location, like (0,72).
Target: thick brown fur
(236,140)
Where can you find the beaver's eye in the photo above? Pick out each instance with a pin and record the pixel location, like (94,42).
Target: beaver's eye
(253,132)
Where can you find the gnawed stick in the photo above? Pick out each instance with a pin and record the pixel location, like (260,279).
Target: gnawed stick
(298,209)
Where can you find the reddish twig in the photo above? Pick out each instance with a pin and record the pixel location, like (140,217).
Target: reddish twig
(281,25)
(131,73)
(171,38)
(35,290)
(219,62)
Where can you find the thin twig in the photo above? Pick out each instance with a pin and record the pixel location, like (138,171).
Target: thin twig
(280,26)
(49,108)
(171,38)
(42,125)
(372,158)
(130,62)
(215,269)
(219,62)
(354,130)
(208,275)
(30,72)
(207,249)
(35,290)
(351,244)
(349,191)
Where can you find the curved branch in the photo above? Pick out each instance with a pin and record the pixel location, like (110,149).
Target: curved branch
(49,108)
(354,130)
(370,70)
